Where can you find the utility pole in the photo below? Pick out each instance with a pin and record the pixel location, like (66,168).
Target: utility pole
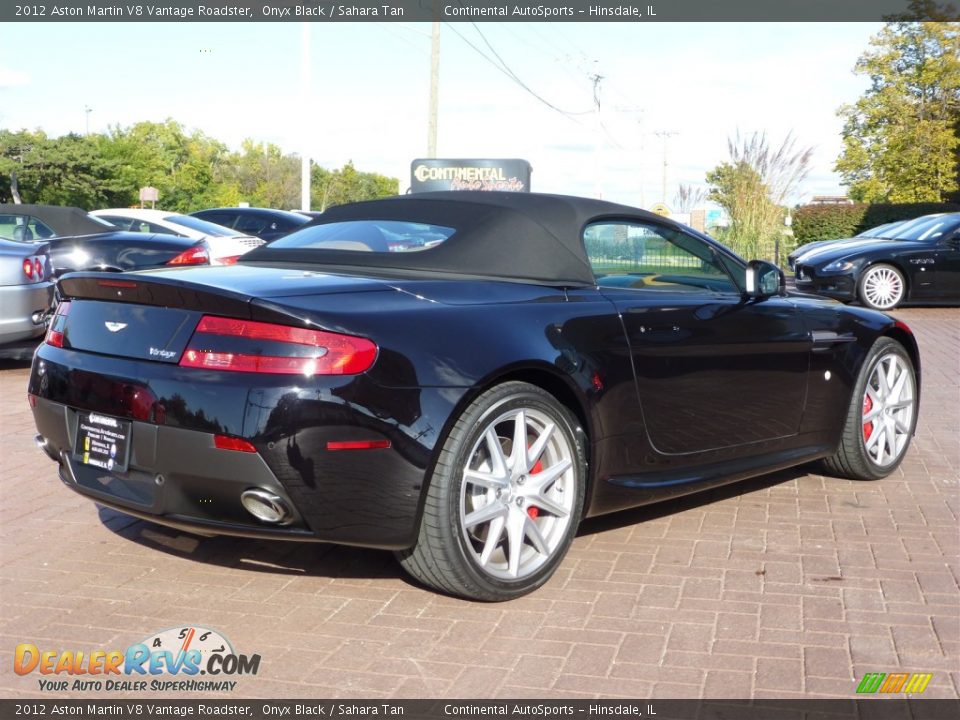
(641,160)
(641,164)
(664,135)
(434,90)
(87,110)
(305,113)
(598,138)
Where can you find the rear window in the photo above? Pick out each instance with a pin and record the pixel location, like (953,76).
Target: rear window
(929,229)
(383,236)
(195,223)
(23,228)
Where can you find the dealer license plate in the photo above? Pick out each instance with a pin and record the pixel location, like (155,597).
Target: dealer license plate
(102,441)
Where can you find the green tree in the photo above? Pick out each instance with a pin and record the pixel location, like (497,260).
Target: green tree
(68,170)
(190,169)
(262,175)
(337,187)
(183,166)
(754,188)
(901,138)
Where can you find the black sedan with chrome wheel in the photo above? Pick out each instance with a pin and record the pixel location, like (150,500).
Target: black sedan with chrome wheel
(914,262)
(525,362)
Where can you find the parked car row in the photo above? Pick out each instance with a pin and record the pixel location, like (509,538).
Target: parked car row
(901,262)
(913,261)
(223,244)
(39,243)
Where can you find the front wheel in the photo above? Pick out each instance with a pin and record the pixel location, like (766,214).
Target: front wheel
(882,287)
(505,497)
(882,415)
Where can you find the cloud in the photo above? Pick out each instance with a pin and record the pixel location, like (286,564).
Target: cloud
(12,78)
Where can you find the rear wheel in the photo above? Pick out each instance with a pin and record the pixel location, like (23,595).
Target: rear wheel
(882,415)
(505,497)
(882,287)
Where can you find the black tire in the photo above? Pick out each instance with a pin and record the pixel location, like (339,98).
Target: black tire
(449,554)
(873,284)
(855,457)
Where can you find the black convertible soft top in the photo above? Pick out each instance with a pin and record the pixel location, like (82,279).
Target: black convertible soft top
(63,221)
(513,236)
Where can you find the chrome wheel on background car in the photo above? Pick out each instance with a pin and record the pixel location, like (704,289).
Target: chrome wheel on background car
(882,287)
(881,417)
(504,499)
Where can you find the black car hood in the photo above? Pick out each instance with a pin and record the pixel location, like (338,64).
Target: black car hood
(853,247)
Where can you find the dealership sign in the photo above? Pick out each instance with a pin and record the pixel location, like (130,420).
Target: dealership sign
(428,175)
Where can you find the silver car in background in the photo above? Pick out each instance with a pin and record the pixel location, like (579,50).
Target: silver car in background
(26,292)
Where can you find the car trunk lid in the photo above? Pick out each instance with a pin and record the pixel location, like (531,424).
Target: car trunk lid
(152,315)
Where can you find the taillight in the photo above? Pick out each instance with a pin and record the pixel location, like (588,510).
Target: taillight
(358,444)
(55,333)
(226,442)
(232,260)
(248,346)
(28,268)
(38,268)
(196,255)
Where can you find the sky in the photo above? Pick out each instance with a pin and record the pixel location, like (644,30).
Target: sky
(368,92)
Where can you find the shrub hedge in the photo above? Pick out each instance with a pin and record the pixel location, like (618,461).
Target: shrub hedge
(831,222)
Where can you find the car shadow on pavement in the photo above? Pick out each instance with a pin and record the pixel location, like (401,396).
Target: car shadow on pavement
(308,559)
(664,508)
(15,359)
(276,557)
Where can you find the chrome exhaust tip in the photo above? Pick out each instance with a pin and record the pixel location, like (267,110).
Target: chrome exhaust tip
(266,506)
(44,445)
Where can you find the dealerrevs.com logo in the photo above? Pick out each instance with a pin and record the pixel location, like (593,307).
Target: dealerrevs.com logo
(911,683)
(183,653)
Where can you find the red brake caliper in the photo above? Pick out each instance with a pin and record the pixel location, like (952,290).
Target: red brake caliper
(532,510)
(867,426)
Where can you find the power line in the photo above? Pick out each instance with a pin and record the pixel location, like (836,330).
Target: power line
(503,67)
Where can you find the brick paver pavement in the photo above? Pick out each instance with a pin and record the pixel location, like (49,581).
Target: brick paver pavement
(790,585)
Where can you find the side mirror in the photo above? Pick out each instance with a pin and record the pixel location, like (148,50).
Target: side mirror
(764,280)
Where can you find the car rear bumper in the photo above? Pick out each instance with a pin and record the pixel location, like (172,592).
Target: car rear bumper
(177,476)
(24,311)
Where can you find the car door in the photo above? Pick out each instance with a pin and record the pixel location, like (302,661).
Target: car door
(713,370)
(947,274)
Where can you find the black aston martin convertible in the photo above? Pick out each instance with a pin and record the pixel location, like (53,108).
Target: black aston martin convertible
(524,362)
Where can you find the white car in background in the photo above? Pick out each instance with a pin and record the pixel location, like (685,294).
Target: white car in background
(225,245)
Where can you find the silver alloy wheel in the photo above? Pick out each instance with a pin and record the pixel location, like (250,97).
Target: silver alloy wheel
(517,494)
(888,406)
(883,287)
